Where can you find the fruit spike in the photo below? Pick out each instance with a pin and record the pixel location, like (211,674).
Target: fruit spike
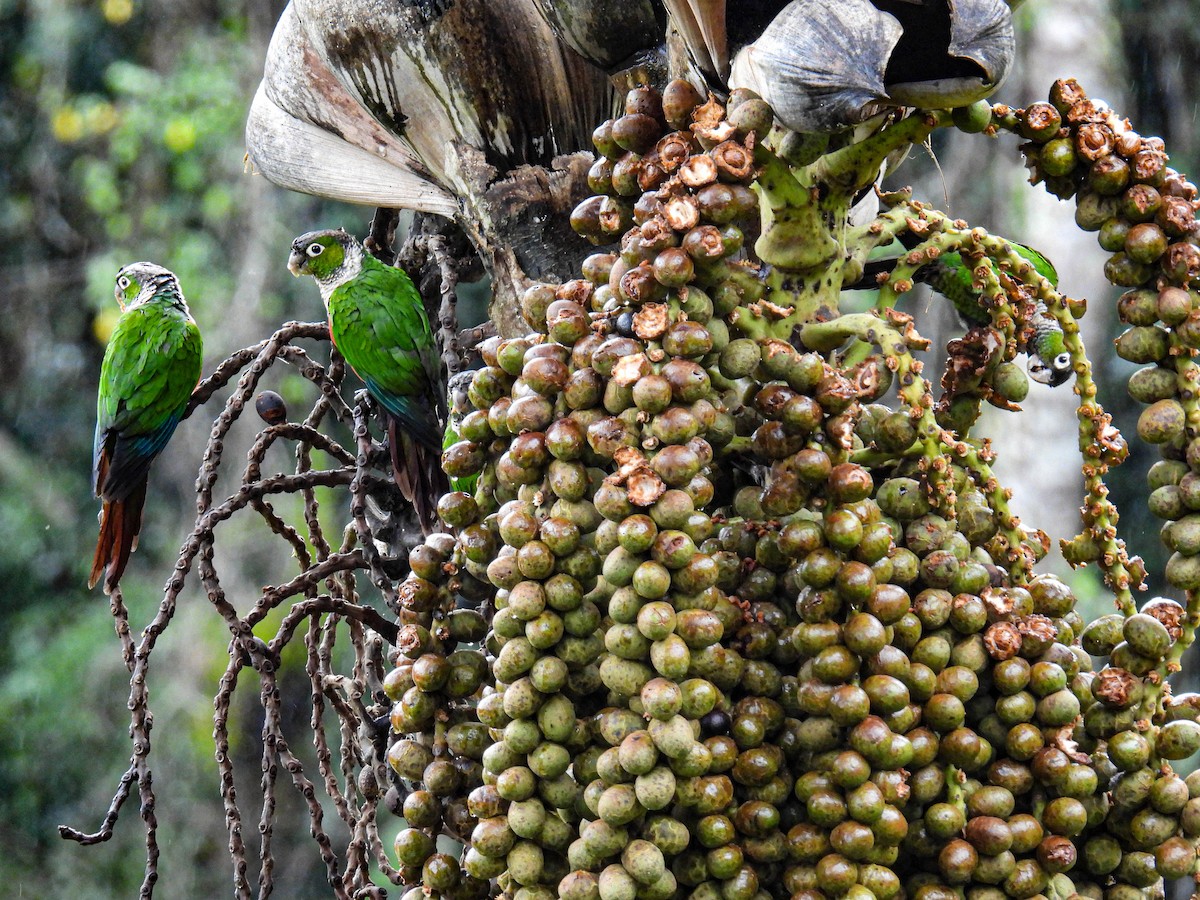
(715,624)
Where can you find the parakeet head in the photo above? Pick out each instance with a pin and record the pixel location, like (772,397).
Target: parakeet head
(456,390)
(331,256)
(1052,369)
(140,282)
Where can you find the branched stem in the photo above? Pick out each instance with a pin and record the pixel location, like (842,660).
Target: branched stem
(320,566)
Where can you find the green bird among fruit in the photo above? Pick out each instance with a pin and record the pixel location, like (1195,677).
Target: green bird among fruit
(1049,360)
(377,321)
(150,368)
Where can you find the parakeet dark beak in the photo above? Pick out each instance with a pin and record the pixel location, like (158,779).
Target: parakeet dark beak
(295,261)
(1058,372)
(1061,369)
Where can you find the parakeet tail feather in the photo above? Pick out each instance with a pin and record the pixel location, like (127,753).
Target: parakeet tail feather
(120,524)
(418,473)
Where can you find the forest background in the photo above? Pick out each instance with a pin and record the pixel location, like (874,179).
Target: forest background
(121,137)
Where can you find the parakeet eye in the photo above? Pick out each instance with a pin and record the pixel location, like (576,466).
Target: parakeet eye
(315,250)
(1062,361)
(123,282)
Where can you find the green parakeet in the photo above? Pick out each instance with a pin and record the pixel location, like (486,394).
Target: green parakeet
(150,369)
(378,323)
(1049,361)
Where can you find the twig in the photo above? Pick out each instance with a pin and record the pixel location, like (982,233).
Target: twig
(470,338)
(233,364)
(110,818)
(383,234)
(358,504)
(233,816)
(447,335)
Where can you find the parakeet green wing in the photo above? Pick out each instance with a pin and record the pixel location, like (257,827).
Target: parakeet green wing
(954,280)
(378,323)
(149,370)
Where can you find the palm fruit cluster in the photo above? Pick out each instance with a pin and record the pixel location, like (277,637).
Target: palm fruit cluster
(438,671)
(678,642)
(1145,213)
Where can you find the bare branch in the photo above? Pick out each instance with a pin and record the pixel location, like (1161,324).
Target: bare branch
(322,593)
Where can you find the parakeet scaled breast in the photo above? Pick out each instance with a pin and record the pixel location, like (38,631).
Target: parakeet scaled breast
(150,369)
(1049,361)
(378,323)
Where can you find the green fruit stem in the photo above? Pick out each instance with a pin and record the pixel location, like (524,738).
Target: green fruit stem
(857,165)
(1099,443)
(898,208)
(1101,446)
(954,788)
(938,447)
(1019,550)
(805,238)
(861,241)
(794,234)
(947,236)
(791,300)
(914,390)
(804,211)
(1005,118)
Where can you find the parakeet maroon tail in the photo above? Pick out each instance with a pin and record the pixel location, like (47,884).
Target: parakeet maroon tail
(417,470)
(120,524)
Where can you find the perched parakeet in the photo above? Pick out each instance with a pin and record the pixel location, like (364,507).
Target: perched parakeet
(459,405)
(1049,361)
(150,369)
(378,323)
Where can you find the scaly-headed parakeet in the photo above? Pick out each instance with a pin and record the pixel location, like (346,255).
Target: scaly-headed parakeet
(1049,361)
(459,405)
(378,323)
(150,368)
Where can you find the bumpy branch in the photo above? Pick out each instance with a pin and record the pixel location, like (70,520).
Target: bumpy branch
(322,594)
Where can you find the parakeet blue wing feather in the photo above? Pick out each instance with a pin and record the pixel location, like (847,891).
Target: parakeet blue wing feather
(129,458)
(414,412)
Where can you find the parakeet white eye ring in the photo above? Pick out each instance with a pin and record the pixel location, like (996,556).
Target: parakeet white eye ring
(1062,360)
(315,250)
(123,282)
